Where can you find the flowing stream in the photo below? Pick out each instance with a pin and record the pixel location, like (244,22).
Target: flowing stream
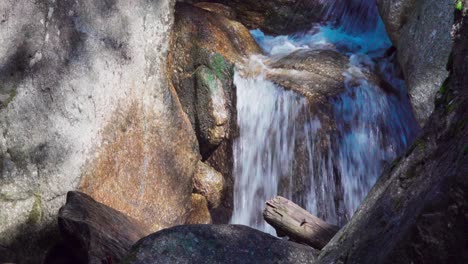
(282,149)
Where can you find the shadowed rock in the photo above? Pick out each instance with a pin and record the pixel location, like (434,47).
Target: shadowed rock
(273,17)
(199,213)
(96,232)
(216,244)
(420,29)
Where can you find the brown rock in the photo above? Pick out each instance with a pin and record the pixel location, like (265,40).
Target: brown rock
(209,183)
(145,167)
(95,232)
(219,9)
(275,16)
(205,46)
(222,160)
(199,214)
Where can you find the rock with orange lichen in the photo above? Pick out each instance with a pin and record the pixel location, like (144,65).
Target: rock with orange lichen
(199,213)
(145,167)
(209,183)
(84,96)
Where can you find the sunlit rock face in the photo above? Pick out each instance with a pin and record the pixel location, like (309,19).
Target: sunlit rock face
(420,29)
(85,104)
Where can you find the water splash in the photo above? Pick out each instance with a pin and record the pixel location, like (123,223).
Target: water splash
(283,148)
(267,119)
(353,16)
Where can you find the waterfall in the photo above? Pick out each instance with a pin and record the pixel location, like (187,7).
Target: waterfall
(354,16)
(282,148)
(267,119)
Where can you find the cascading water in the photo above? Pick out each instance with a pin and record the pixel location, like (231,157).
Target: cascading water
(279,133)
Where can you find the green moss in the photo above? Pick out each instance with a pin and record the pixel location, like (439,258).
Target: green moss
(8,101)
(221,68)
(451,107)
(35,215)
(459,5)
(460,126)
(449,65)
(420,144)
(444,88)
(207,78)
(397,204)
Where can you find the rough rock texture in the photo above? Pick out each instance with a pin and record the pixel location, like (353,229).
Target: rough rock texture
(223,160)
(420,29)
(418,210)
(205,45)
(83,93)
(217,244)
(209,183)
(273,17)
(96,232)
(199,213)
(313,73)
(218,8)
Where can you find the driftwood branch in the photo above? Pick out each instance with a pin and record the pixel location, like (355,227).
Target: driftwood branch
(291,220)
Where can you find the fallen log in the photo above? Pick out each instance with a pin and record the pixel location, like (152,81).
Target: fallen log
(289,219)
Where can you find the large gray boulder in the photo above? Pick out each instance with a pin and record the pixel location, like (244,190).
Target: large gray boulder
(420,29)
(216,244)
(85,103)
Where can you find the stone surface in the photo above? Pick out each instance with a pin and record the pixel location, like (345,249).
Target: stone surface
(205,46)
(420,29)
(209,183)
(222,160)
(275,16)
(96,232)
(418,210)
(79,82)
(199,213)
(217,244)
(218,8)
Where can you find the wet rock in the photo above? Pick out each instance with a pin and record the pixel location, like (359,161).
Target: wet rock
(96,232)
(205,46)
(312,73)
(319,75)
(417,211)
(217,244)
(199,213)
(209,183)
(420,29)
(212,106)
(275,17)
(88,98)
